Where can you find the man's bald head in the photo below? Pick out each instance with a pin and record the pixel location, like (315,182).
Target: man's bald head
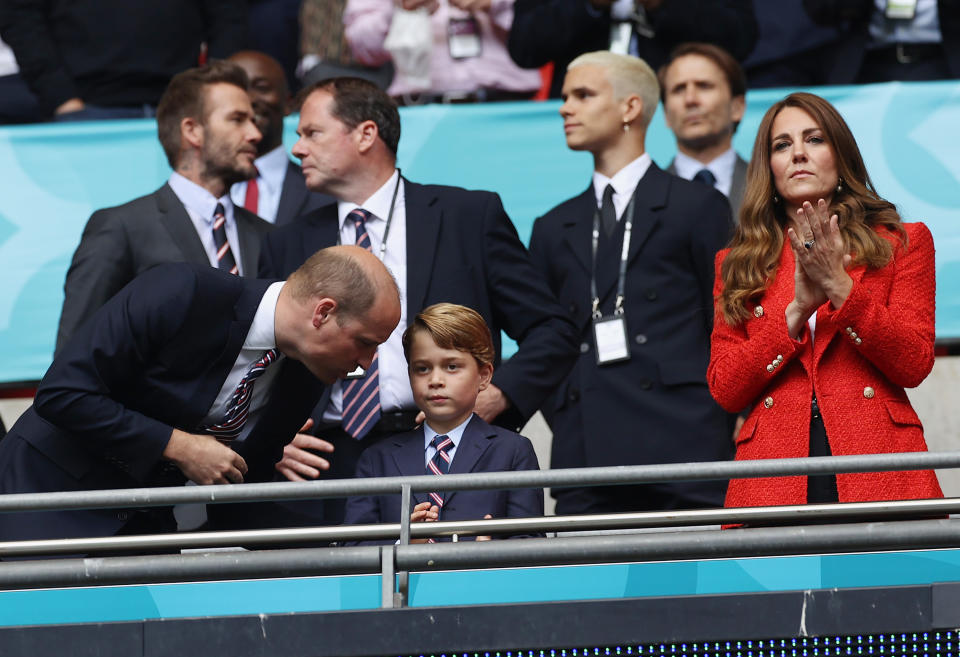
(350,275)
(269,95)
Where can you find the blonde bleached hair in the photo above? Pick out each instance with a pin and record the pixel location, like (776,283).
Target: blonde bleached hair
(866,220)
(627,75)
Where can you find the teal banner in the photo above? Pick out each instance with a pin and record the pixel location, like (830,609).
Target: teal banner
(54,176)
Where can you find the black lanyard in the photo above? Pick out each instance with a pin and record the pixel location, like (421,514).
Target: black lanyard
(386,231)
(624,253)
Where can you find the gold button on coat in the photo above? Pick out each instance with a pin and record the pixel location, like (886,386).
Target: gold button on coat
(868,392)
(758,311)
(770,368)
(768,402)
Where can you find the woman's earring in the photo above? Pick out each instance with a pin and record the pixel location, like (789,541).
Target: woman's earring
(626,127)
(776,199)
(839,185)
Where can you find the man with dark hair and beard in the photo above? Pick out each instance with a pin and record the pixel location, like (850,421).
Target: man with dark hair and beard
(205,125)
(703,90)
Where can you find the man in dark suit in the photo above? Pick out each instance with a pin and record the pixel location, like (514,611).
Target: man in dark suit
(638,393)
(205,124)
(190,373)
(910,41)
(442,243)
(556,31)
(278,192)
(703,90)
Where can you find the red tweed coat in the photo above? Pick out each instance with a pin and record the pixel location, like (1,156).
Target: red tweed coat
(861,358)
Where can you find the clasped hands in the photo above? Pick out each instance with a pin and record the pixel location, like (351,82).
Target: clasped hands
(427,512)
(820,264)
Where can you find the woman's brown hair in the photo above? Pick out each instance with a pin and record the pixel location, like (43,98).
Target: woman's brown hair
(758,241)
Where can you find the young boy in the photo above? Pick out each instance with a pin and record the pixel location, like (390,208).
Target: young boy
(449,352)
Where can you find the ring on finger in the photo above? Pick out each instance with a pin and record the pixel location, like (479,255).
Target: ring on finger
(809,244)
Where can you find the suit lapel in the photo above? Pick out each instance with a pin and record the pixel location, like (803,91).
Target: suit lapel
(408,456)
(474,442)
(423,216)
(737,187)
(249,240)
(174,218)
(293,194)
(578,229)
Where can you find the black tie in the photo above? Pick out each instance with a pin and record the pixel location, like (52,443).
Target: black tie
(607,212)
(706,177)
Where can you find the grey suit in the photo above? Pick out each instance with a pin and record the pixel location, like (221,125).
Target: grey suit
(296,199)
(737,186)
(121,242)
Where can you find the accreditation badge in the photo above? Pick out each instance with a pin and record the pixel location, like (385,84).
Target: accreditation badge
(610,337)
(463,38)
(901,9)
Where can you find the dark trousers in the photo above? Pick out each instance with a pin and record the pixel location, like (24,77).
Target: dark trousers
(821,489)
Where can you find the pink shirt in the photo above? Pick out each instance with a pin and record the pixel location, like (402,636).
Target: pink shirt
(366,24)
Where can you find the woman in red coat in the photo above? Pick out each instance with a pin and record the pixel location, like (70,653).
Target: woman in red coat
(824,314)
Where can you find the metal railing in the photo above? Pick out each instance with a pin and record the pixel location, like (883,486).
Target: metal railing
(399,559)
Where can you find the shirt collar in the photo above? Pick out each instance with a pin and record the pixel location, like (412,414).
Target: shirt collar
(377,205)
(625,180)
(272,167)
(721,167)
(262,334)
(198,200)
(454,434)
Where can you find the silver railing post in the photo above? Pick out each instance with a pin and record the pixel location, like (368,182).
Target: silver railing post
(403,577)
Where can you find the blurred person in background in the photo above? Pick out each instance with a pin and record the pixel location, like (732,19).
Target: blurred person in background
(558,30)
(463,55)
(112,59)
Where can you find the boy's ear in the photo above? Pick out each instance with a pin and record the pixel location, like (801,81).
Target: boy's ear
(486,373)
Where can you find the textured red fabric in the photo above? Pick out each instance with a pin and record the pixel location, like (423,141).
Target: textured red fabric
(891,311)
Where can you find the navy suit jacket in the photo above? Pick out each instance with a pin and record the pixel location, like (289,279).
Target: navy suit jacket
(295,199)
(152,359)
(461,248)
(654,407)
(121,242)
(482,448)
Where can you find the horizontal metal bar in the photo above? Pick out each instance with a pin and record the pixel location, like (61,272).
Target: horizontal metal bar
(623,548)
(226,493)
(390,531)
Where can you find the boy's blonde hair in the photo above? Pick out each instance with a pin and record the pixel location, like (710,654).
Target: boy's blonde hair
(452,326)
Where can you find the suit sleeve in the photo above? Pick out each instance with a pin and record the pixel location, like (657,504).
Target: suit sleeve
(709,234)
(730,24)
(101,266)
(365,509)
(526,502)
(838,12)
(548,30)
(524,307)
(23,26)
(81,391)
(896,333)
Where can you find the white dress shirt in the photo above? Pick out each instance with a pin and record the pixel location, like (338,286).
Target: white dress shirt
(260,338)
(721,167)
(272,169)
(429,451)
(395,392)
(624,183)
(200,205)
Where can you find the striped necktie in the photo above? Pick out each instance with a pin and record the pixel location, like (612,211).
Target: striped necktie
(361,397)
(440,463)
(237,409)
(225,261)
